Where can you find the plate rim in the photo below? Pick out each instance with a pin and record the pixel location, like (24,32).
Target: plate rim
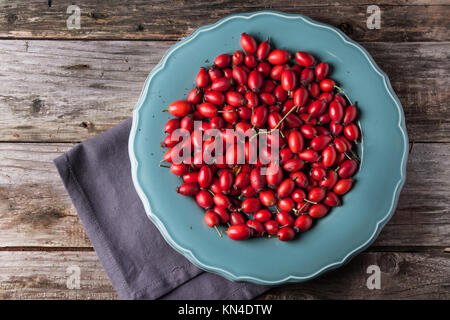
(188,253)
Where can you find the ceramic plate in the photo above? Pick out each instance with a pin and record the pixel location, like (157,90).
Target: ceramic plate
(334,239)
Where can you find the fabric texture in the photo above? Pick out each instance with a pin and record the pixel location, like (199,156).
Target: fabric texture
(138,261)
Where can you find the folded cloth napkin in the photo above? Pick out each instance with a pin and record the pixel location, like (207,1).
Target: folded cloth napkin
(140,264)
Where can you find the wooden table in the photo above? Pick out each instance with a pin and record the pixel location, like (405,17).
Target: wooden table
(60,86)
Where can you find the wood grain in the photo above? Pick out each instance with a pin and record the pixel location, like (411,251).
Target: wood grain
(56,91)
(36,211)
(64,91)
(170,20)
(43,275)
(403,276)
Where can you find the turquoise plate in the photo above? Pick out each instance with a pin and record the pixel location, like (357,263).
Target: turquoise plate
(334,239)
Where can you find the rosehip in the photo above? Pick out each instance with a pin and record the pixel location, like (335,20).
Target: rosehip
(305,59)
(267,198)
(239,232)
(248,43)
(250,205)
(303,223)
(318,210)
(343,186)
(180,108)
(279,56)
(204,199)
(322,71)
(271,227)
(263,215)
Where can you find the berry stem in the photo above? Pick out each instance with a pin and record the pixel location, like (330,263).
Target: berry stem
(343,92)
(220,234)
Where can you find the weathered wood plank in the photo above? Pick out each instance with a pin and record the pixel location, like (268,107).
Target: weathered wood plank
(403,276)
(164,20)
(43,275)
(34,206)
(36,211)
(62,91)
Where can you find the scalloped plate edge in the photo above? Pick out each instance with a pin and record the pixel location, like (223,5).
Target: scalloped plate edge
(188,253)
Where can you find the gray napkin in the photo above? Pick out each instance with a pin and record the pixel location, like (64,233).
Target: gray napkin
(140,264)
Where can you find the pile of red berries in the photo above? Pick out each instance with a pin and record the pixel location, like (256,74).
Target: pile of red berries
(261,88)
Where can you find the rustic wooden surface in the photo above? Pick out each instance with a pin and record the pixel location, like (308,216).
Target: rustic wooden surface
(60,86)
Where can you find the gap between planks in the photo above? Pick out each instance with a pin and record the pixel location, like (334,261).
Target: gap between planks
(408,248)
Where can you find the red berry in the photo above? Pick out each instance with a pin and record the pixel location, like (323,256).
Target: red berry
(242,180)
(318,173)
(322,71)
(263,215)
(286,234)
(332,199)
(285,188)
(274,175)
(251,61)
(318,210)
(215,97)
(288,80)
(250,205)
(296,142)
(271,227)
(223,214)
(347,168)
(317,194)
(351,132)
(336,111)
(285,219)
(279,56)
(350,114)
(180,108)
(222,201)
(188,189)
(237,58)
(202,78)
(208,110)
(263,50)
(343,186)
(221,84)
(286,204)
(276,72)
(204,199)
(300,96)
(236,218)
(195,96)
(255,80)
(305,59)
(248,43)
(303,223)
(226,180)
(267,198)
(240,75)
(258,228)
(222,61)
(239,232)
(329,156)
(327,85)
(321,142)
(179,169)
(211,218)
